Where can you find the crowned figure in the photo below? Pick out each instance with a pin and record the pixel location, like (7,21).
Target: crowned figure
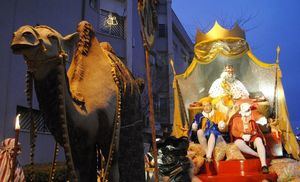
(226,89)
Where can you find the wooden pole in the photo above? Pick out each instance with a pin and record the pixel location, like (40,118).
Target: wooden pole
(149,84)
(151,113)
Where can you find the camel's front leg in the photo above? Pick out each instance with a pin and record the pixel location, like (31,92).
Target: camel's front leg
(85,163)
(114,175)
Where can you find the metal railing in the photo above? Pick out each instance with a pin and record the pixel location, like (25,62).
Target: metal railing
(41,127)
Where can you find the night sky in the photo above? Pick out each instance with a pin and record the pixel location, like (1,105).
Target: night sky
(267,24)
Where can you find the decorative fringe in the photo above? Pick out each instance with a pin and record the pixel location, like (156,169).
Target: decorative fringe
(86,34)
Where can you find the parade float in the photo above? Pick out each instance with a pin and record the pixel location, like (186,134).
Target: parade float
(214,51)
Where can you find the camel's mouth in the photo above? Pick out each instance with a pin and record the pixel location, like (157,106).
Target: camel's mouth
(19,48)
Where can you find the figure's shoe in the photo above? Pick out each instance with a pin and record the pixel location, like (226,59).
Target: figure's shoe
(265,169)
(209,160)
(209,167)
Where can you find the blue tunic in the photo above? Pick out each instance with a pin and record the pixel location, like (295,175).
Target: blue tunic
(210,127)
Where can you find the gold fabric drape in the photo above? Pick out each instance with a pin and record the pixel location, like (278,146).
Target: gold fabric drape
(205,52)
(288,137)
(180,124)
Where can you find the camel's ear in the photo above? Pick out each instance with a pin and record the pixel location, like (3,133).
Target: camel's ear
(71,39)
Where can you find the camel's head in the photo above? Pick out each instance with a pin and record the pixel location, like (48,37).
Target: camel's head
(41,46)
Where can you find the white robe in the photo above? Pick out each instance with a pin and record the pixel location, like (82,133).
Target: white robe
(237,89)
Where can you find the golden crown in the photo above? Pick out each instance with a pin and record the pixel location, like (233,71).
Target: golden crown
(219,32)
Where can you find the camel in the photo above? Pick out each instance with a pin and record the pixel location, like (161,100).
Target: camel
(95,105)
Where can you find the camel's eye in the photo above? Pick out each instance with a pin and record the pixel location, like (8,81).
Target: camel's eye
(27,34)
(29,37)
(51,36)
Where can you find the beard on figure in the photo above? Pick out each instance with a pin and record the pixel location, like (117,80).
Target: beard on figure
(228,77)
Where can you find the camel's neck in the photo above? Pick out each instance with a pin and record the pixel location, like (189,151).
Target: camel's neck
(51,91)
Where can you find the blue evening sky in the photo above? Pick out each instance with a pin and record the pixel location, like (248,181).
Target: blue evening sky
(271,23)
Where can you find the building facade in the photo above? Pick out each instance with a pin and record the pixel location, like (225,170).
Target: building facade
(124,36)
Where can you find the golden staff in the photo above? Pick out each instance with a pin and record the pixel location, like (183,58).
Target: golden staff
(172,66)
(183,114)
(275,106)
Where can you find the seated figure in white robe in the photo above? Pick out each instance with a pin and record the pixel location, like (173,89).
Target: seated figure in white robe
(226,89)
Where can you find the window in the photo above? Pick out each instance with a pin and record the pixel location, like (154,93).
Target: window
(111,24)
(175,46)
(163,108)
(37,117)
(162,30)
(94,4)
(184,56)
(162,57)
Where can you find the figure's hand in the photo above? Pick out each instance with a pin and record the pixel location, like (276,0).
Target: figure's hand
(246,137)
(194,126)
(221,125)
(184,129)
(262,121)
